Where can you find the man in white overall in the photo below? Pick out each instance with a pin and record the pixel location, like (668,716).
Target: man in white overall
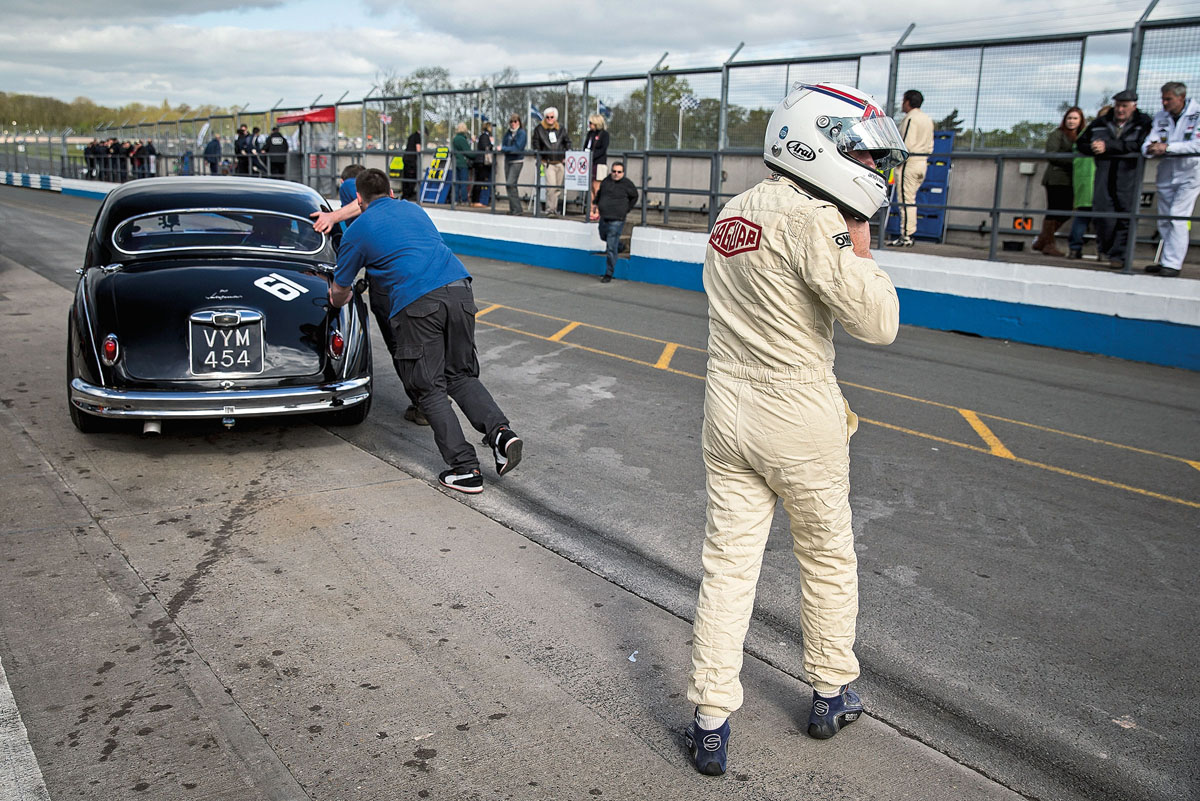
(1173,135)
(785,259)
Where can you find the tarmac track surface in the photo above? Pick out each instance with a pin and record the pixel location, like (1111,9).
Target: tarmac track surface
(1025,518)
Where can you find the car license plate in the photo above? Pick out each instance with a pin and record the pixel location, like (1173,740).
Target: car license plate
(227,349)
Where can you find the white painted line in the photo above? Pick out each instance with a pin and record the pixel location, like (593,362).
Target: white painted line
(20,777)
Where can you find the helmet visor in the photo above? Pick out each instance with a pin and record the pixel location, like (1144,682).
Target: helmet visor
(877,135)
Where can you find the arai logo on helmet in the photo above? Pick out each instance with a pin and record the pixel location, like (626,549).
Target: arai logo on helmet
(735,235)
(783,132)
(801,150)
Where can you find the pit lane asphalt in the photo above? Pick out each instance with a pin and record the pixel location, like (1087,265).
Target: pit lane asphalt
(1025,517)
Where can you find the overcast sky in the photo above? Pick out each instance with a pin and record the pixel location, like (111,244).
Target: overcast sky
(258,51)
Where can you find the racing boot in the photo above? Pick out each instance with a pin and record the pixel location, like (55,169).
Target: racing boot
(708,747)
(829,715)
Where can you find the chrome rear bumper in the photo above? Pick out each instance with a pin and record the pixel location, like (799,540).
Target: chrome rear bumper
(219,403)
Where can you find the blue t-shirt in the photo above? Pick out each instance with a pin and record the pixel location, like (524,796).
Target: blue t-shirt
(347,193)
(401,250)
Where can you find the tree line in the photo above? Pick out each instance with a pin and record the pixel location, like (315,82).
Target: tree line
(32,113)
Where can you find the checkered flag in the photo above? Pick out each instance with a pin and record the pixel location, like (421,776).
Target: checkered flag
(689,102)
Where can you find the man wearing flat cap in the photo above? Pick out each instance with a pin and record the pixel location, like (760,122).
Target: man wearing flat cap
(1111,138)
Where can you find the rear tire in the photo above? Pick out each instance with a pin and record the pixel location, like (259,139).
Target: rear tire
(348,417)
(84,422)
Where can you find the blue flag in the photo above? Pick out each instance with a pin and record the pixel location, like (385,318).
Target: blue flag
(534,113)
(603,110)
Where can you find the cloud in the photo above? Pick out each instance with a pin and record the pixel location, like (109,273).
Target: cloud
(256,51)
(145,10)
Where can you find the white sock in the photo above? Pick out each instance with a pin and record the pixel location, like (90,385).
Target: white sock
(710,722)
(835,694)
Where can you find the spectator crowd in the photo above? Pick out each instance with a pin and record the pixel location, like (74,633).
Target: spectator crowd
(1094,175)
(254,154)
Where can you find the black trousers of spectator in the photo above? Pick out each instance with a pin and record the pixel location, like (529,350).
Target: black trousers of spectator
(1112,234)
(437,361)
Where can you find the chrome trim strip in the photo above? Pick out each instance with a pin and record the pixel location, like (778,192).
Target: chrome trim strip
(217,209)
(219,403)
(91,334)
(241,317)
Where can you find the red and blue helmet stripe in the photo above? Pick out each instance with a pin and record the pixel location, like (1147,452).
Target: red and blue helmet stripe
(869,110)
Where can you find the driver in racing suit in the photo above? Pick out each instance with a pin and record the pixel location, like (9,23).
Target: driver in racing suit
(785,259)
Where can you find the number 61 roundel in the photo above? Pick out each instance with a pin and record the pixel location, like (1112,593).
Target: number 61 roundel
(280,287)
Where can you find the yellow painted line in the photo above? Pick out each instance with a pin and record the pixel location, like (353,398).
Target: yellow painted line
(995,446)
(1035,426)
(597,351)
(664,361)
(923,435)
(482,312)
(597,327)
(566,329)
(1040,465)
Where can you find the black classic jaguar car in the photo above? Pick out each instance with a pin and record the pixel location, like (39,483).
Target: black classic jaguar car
(208,298)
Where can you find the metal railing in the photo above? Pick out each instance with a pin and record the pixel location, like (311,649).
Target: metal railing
(663,201)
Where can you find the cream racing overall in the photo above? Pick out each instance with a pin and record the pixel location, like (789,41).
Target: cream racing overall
(780,267)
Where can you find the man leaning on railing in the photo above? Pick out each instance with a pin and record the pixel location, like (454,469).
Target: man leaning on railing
(1178,180)
(1108,137)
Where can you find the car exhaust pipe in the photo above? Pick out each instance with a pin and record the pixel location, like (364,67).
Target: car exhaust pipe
(228,422)
(151,427)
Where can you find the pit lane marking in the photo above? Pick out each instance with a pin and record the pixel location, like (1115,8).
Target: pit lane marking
(668,351)
(994,446)
(566,329)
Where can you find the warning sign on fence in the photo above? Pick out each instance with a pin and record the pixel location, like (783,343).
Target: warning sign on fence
(576,176)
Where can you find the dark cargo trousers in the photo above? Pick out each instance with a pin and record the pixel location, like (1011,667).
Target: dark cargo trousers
(381,306)
(436,360)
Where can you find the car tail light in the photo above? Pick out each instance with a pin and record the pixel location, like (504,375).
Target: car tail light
(110,350)
(337,344)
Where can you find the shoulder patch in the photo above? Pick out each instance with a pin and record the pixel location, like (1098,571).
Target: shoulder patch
(735,235)
(842,240)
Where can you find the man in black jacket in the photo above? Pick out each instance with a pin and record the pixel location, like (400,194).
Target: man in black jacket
(615,198)
(241,149)
(1108,138)
(276,149)
(551,143)
(212,154)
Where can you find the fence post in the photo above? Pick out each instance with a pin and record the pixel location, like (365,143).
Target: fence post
(714,195)
(1136,40)
(893,68)
(1134,215)
(716,184)
(666,217)
(996,195)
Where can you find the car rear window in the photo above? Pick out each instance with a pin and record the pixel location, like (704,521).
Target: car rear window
(220,229)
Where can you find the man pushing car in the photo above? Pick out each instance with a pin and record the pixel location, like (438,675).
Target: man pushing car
(433,319)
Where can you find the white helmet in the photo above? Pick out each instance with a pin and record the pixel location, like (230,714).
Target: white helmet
(812,133)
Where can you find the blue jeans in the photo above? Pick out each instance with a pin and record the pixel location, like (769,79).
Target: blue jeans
(610,232)
(1078,229)
(461,176)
